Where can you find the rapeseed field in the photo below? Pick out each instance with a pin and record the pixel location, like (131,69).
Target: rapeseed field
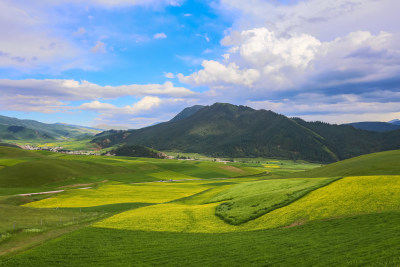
(156,192)
(346,197)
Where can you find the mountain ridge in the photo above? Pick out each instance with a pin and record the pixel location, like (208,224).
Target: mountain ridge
(16,129)
(226,130)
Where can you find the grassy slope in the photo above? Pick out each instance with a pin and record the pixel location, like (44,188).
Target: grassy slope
(348,241)
(143,236)
(382,163)
(247,201)
(45,170)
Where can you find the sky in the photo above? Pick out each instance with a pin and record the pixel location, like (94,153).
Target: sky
(134,63)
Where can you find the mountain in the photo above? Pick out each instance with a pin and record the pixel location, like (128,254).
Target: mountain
(16,129)
(396,122)
(187,112)
(375,126)
(225,130)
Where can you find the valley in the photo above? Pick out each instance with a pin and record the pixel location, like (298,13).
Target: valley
(147,211)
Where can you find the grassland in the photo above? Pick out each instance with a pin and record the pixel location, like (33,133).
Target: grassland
(196,216)
(248,201)
(351,241)
(32,171)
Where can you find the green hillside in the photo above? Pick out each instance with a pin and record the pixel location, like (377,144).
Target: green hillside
(16,129)
(225,130)
(35,169)
(381,163)
(345,213)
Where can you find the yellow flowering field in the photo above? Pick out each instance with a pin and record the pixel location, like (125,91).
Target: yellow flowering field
(171,217)
(272,166)
(348,196)
(118,193)
(345,197)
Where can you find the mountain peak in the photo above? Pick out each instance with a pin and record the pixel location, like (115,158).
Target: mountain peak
(187,112)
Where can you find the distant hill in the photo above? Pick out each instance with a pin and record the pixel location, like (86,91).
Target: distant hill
(225,130)
(16,129)
(376,126)
(396,122)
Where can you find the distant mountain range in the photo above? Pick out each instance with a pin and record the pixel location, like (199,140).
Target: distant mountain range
(396,121)
(225,130)
(377,126)
(16,129)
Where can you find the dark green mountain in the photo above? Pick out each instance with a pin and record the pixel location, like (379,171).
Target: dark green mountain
(187,112)
(375,126)
(225,130)
(16,129)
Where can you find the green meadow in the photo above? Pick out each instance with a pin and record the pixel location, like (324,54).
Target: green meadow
(122,211)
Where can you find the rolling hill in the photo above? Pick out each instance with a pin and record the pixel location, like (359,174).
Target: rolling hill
(225,130)
(16,129)
(340,221)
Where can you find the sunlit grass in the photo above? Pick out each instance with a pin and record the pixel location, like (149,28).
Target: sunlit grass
(119,193)
(248,201)
(346,197)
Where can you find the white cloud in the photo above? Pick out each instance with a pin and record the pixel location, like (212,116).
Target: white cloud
(146,111)
(145,104)
(54,95)
(214,73)
(160,35)
(31,41)
(341,108)
(323,19)
(169,75)
(100,47)
(266,62)
(117,3)
(97,105)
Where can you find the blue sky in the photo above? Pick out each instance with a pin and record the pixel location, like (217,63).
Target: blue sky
(133,63)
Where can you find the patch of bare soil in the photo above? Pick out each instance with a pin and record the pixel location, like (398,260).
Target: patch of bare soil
(296,223)
(78,185)
(231,168)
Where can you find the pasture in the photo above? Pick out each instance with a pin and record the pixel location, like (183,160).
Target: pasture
(177,212)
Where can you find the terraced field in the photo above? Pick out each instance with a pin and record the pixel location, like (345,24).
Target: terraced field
(200,218)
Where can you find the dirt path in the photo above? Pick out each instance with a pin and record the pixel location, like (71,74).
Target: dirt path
(41,193)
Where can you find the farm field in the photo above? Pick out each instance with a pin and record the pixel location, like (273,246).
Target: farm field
(176,212)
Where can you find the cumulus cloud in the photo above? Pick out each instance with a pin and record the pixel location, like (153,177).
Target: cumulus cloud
(160,35)
(145,104)
(262,60)
(309,58)
(214,73)
(324,19)
(53,95)
(146,111)
(342,108)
